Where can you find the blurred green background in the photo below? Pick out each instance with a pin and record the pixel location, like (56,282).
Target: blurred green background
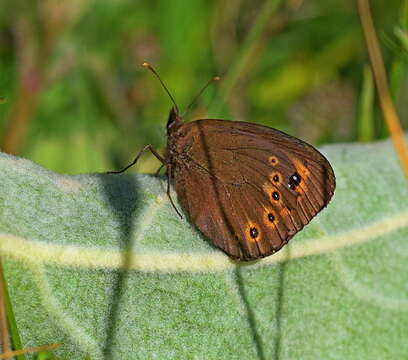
(74,97)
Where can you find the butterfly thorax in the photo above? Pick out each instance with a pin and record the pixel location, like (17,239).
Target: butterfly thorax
(177,145)
(179,142)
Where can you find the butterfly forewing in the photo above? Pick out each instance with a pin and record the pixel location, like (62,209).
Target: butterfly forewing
(247,187)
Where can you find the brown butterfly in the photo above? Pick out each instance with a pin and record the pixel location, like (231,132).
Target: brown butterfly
(247,187)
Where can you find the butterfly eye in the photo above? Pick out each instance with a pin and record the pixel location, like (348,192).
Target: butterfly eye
(271,218)
(253,232)
(275,195)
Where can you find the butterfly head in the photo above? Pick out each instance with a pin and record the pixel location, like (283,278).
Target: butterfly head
(174,120)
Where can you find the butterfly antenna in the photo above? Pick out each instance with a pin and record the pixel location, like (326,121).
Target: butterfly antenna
(151,68)
(215,78)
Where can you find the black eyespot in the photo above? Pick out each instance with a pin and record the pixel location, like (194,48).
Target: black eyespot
(276,178)
(271,218)
(295,179)
(275,195)
(253,232)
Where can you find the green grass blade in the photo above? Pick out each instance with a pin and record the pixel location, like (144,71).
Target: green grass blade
(242,60)
(14,334)
(366,119)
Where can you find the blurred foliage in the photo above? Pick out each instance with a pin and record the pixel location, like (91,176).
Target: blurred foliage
(75,98)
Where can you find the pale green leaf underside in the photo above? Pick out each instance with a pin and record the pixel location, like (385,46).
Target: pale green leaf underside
(338,291)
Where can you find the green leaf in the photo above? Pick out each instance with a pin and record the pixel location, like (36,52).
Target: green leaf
(102,265)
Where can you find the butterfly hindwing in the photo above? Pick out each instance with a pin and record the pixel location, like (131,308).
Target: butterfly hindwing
(247,187)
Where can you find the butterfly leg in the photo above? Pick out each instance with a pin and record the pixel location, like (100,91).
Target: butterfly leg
(147,147)
(168,190)
(158,170)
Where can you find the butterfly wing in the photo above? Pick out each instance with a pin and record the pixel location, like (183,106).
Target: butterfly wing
(247,187)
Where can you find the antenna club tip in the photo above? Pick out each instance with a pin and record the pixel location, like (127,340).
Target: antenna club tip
(216,78)
(146,64)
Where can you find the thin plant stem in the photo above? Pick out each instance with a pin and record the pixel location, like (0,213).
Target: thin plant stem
(5,336)
(36,349)
(377,64)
